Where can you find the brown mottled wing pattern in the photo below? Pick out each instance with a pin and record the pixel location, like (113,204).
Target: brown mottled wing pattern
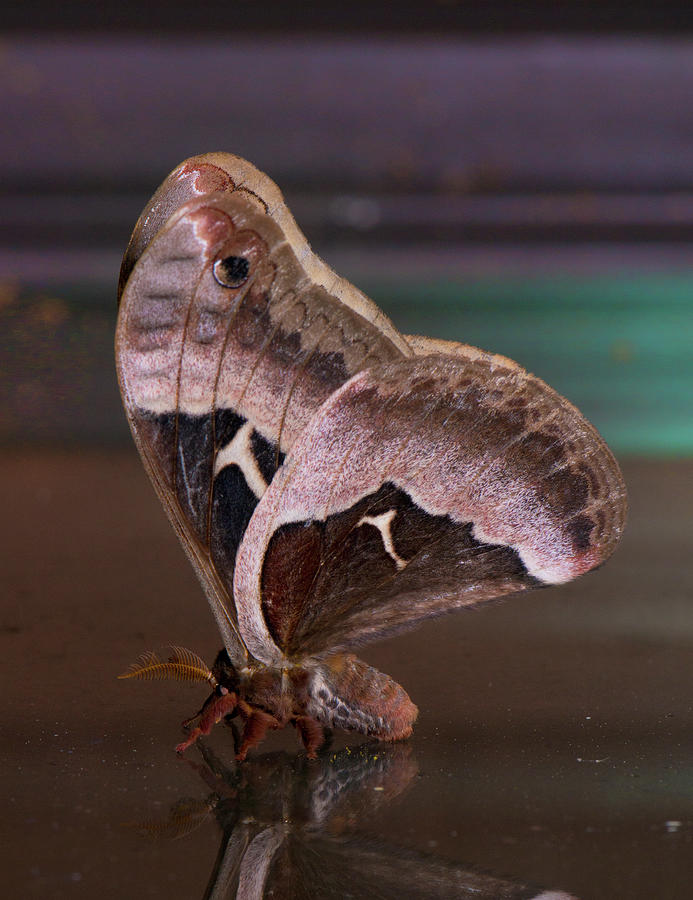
(231,334)
(423,485)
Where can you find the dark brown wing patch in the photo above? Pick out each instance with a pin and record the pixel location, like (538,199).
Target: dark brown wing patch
(382,550)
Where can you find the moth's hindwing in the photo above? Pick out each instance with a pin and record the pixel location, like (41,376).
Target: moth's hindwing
(421,486)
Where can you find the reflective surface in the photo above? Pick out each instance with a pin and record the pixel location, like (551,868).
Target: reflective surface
(552,753)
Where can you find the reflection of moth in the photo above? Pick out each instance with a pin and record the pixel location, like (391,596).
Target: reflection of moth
(332,480)
(290,830)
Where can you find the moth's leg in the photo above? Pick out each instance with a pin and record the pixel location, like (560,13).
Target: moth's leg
(312,734)
(329,737)
(232,723)
(188,722)
(219,704)
(257,723)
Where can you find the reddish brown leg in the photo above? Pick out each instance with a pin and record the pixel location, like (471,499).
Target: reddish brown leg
(216,707)
(235,731)
(257,724)
(312,734)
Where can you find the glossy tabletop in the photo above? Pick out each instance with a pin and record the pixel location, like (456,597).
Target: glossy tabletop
(552,753)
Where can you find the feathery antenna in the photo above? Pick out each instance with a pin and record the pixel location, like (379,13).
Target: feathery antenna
(182,665)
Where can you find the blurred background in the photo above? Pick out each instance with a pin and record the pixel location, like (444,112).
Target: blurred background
(518,176)
(509,175)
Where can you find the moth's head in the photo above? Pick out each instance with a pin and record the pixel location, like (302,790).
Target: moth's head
(224,671)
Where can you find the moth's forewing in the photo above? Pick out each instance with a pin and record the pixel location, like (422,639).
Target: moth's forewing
(230,336)
(422,486)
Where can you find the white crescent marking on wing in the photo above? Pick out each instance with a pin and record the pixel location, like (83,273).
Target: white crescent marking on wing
(239,452)
(383,523)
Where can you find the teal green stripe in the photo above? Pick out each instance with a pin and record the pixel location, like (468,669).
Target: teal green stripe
(621,349)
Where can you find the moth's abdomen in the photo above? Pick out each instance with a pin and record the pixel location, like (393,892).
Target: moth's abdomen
(346,693)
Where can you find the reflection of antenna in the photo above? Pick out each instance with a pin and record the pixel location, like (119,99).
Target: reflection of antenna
(291,830)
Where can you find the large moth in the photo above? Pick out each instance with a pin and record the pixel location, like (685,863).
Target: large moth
(332,480)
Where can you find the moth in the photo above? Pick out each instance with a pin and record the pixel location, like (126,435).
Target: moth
(332,481)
